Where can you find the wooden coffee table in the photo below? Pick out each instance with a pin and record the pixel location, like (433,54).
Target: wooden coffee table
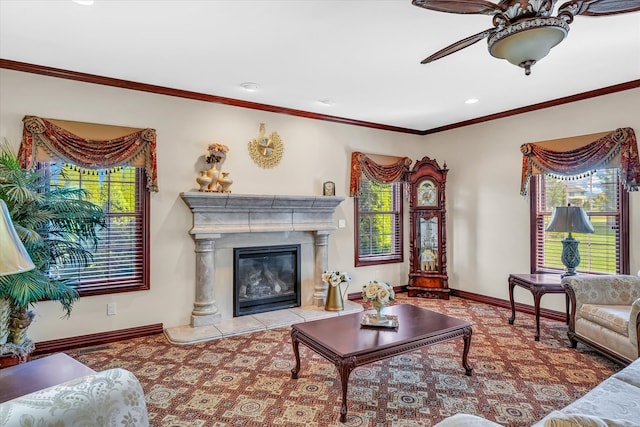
(343,341)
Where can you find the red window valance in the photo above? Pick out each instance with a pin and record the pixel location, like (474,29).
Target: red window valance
(386,169)
(91,146)
(581,156)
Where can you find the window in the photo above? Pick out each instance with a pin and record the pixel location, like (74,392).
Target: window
(605,202)
(121,262)
(378,216)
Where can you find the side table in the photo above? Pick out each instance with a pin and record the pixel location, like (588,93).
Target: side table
(538,285)
(39,374)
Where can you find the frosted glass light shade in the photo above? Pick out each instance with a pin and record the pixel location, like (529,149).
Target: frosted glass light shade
(528,41)
(13,256)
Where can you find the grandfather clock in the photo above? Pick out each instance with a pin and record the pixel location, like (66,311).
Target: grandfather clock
(427,221)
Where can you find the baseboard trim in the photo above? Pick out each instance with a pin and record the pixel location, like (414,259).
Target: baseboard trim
(522,308)
(63,344)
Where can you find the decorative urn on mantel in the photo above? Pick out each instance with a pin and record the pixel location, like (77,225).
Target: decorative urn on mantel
(213,180)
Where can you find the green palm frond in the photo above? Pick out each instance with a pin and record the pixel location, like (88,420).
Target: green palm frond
(26,289)
(58,226)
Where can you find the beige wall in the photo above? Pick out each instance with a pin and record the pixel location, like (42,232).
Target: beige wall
(488,222)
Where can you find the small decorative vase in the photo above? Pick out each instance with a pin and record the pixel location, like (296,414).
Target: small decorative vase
(378,306)
(225,182)
(213,173)
(203,181)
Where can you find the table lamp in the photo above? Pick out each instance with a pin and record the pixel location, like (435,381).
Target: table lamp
(568,219)
(13,256)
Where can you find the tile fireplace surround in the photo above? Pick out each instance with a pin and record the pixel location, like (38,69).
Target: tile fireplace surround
(223,221)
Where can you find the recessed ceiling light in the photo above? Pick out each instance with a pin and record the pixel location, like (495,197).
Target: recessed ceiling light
(326,102)
(83,2)
(250,86)
(471,101)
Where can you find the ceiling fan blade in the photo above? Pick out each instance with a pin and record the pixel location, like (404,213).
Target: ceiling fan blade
(461,44)
(601,7)
(460,6)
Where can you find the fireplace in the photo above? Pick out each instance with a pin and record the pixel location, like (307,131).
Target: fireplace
(223,222)
(266,278)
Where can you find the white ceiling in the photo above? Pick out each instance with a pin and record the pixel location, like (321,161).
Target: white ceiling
(362,55)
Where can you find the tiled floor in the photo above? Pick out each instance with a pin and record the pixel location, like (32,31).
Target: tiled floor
(254,322)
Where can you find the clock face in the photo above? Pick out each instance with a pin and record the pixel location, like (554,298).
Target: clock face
(265,147)
(266,151)
(427,193)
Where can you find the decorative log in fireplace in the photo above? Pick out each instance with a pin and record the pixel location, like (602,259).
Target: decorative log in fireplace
(266,278)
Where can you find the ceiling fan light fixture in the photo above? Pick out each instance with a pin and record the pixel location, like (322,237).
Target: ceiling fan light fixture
(527,41)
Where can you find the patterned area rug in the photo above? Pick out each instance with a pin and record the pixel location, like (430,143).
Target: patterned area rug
(246,380)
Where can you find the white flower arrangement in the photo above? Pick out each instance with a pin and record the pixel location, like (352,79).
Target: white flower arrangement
(334,278)
(380,292)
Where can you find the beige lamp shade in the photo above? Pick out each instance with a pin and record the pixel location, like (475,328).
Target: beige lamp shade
(13,256)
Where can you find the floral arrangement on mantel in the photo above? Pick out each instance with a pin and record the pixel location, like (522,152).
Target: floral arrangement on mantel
(213,180)
(334,278)
(216,152)
(379,293)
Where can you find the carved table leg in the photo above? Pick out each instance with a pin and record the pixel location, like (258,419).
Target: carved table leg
(467,344)
(537,296)
(512,284)
(296,352)
(345,366)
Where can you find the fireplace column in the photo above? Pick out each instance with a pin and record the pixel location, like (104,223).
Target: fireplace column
(205,310)
(321,265)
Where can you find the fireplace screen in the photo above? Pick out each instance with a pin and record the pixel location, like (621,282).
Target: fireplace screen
(266,278)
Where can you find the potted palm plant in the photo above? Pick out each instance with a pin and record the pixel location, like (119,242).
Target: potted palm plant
(59,227)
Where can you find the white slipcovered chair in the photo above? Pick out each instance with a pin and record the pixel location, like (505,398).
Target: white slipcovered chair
(605,314)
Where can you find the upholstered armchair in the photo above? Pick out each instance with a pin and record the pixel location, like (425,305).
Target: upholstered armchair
(605,314)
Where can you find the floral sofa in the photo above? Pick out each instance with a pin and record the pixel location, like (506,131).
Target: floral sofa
(113,397)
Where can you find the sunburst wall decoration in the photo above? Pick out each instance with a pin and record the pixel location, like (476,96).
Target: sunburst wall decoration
(266,151)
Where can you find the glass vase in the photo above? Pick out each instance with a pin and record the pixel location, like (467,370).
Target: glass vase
(378,306)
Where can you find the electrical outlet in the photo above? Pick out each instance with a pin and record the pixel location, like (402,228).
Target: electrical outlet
(342,223)
(111,309)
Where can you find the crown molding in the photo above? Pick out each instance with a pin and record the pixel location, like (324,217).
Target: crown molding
(162,90)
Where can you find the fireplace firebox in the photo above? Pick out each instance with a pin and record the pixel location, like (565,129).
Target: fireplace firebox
(266,278)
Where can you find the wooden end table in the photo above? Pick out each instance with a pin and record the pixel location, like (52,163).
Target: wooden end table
(343,341)
(39,374)
(538,285)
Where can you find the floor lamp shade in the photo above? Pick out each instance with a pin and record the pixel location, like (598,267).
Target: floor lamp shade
(569,219)
(13,256)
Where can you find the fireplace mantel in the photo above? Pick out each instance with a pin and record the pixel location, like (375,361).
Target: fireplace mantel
(218,214)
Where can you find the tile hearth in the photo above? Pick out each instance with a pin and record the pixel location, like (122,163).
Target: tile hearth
(183,335)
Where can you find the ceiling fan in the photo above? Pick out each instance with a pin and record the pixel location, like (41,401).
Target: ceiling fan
(523,30)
